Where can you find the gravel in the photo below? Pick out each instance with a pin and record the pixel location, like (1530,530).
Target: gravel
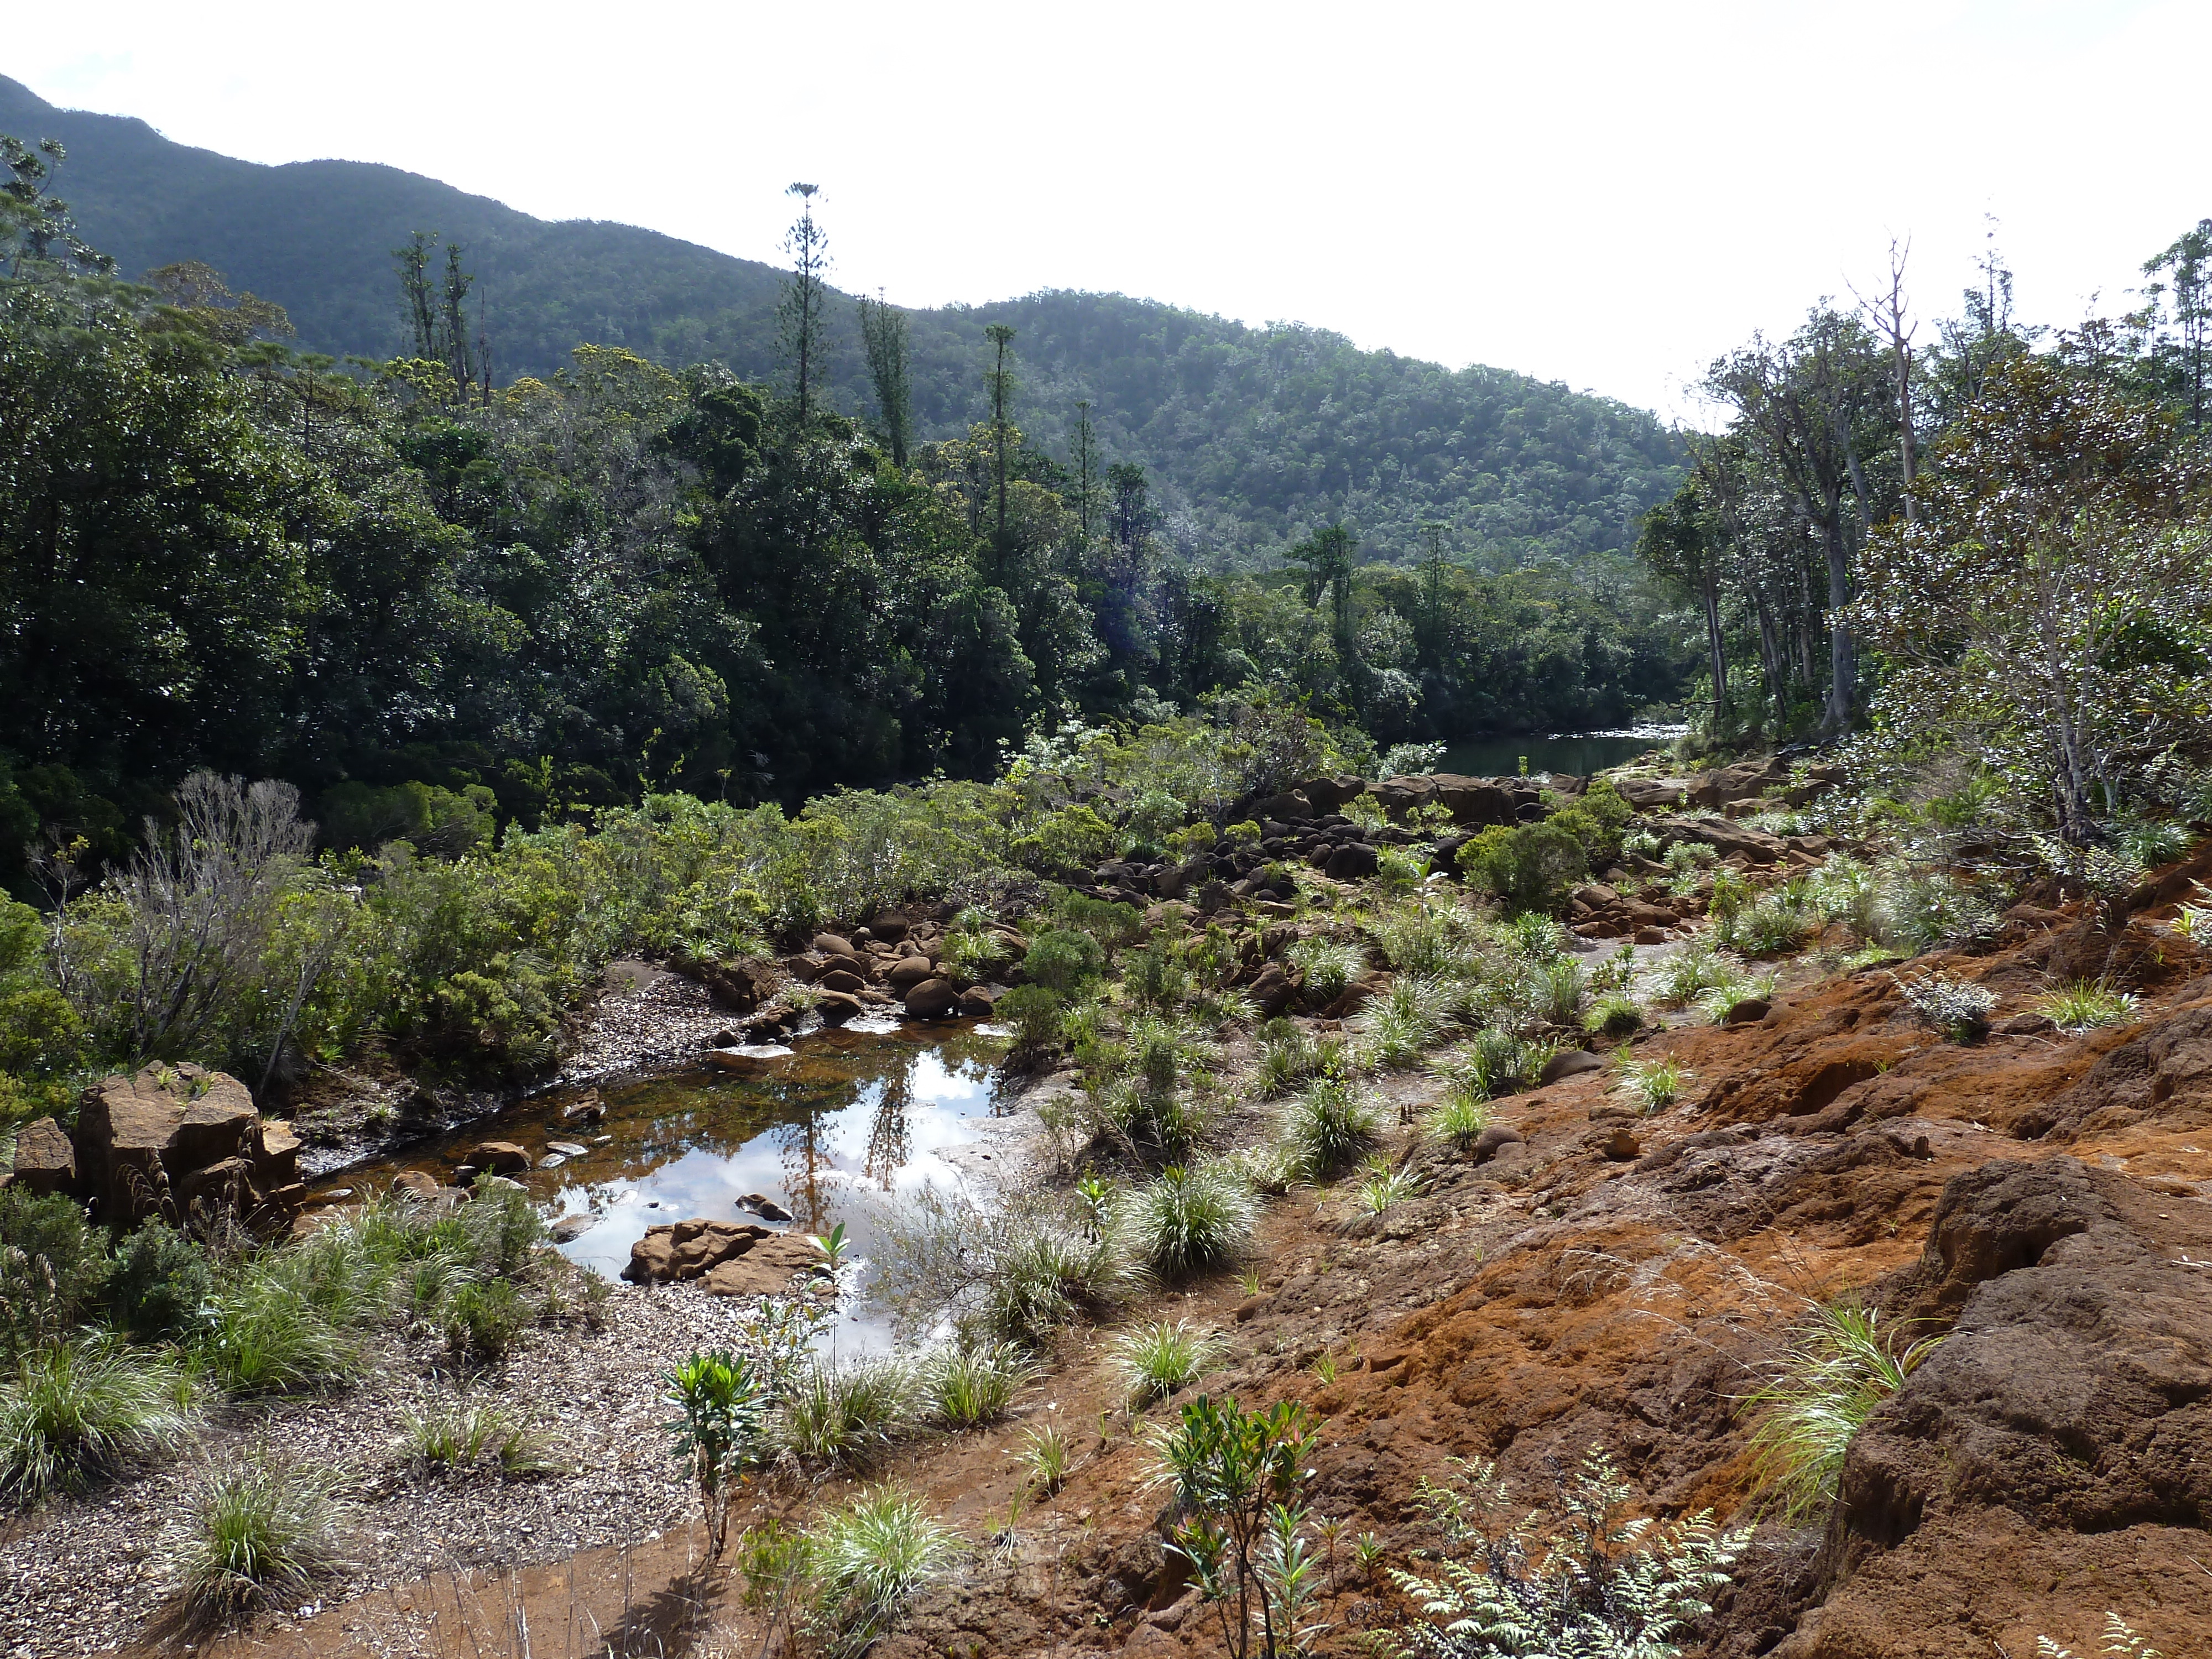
(85,1575)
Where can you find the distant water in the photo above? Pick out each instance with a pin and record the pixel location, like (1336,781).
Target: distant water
(1576,753)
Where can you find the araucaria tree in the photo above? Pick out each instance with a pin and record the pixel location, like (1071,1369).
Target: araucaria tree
(804,298)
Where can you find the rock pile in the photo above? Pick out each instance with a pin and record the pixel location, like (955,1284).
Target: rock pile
(735,1258)
(165,1142)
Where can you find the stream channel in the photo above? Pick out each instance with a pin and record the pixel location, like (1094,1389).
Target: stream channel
(853,1118)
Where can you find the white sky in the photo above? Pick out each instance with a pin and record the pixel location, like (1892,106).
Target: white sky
(1607,194)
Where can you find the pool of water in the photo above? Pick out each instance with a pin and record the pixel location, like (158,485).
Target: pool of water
(853,1118)
(1577,754)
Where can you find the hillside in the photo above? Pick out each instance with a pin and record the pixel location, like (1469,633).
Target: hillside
(1254,435)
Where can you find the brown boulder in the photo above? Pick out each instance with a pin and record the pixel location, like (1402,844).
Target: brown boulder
(739,986)
(977,1001)
(45,1160)
(500,1157)
(1353,862)
(842,978)
(764,1270)
(1568,1062)
(226,1184)
(835,1007)
(276,1156)
(909,972)
(1272,990)
(1290,806)
(833,945)
(415,1183)
(137,1136)
(931,998)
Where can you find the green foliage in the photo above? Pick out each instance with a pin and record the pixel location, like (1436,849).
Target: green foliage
(264,1336)
(1156,1359)
(1063,959)
(1187,1221)
(1383,1184)
(719,1396)
(85,1406)
(1959,1008)
(1597,818)
(1615,1014)
(968,1385)
(1327,966)
(163,1286)
(1656,1084)
(53,1266)
(1046,1454)
(458,1436)
(1840,1366)
(1527,867)
(1032,1013)
(483,1320)
(1460,1117)
(2085,1004)
(844,1415)
(262,1530)
(872,1555)
(1601,1585)
(1329,1125)
(1110,922)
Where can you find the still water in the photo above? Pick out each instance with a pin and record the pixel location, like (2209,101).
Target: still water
(835,1134)
(1577,754)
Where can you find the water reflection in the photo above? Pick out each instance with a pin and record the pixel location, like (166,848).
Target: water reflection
(852,1118)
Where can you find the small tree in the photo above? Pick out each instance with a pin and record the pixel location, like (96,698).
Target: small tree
(1236,1475)
(801,313)
(722,1400)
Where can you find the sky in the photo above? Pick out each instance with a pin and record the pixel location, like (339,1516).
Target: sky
(1608,196)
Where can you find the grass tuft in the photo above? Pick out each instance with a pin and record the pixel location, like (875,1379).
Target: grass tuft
(1189,1221)
(1840,1366)
(79,1409)
(971,1385)
(1332,1123)
(871,1556)
(846,1414)
(2086,1005)
(1156,1359)
(263,1531)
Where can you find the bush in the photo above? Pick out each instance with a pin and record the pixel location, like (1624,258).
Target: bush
(1596,819)
(845,1414)
(1189,1221)
(1840,1366)
(1032,1013)
(1603,1584)
(163,1287)
(1957,1008)
(77,1409)
(1527,867)
(1383,1184)
(971,1385)
(1331,1124)
(1327,966)
(1656,1084)
(263,1531)
(871,1556)
(264,1337)
(1063,959)
(1111,923)
(482,1321)
(1155,1359)
(53,1265)
(1460,1118)
(720,1395)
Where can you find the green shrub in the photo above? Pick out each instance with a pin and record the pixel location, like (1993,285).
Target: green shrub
(1331,1123)
(968,1385)
(84,1407)
(872,1555)
(53,1265)
(262,1531)
(1959,1008)
(1155,976)
(459,1437)
(1157,1358)
(1840,1366)
(163,1287)
(1110,922)
(1527,867)
(482,1319)
(2087,1005)
(1597,819)
(1383,1184)
(1656,1084)
(720,1397)
(1063,959)
(266,1337)
(1189,1221)
(845,1414)
(1032,1013)
(1460,1117)
(971,957)
(1327,966)
(1614,1015)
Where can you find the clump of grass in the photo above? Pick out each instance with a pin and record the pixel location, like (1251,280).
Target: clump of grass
(1329,1125)
(1289,1055)
(974,1384)
(482,1319)
(458,1436)
(1775,922)
(870,1556)
(1717,1004)
(1156,1359)
(1383,1184)
(845,1414)
(1656,1084)
(1460,1117)
(1498,1062)
(266,1336)
(1614,1014)
(1406,1023)
(76,1410)
(1840,1366)
(1189,1221)
(2080,1006)
(262,1531)
(1959,1008)
(1046,1454)
(1327,966)
(1562,988)
(1679,979)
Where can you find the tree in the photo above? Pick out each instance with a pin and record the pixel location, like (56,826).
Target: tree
(883,336)
(1326,556)
(1083,462)
(34,224)
(1680,544)
(1001,382)
(804,298)
(2187,266)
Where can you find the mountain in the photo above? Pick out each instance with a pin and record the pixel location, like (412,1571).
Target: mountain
(1254,436)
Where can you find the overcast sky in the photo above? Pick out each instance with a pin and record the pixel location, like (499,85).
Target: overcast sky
(1604,195)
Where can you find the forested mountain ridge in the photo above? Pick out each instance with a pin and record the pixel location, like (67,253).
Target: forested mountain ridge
(1254,436)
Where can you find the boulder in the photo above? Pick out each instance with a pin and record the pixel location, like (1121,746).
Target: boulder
(573,1226)
(765,1269)
(1328,794)
(138,1136)
(226,1184)
(1621,1145)
(589,1109)
(45,1160)
(1494,1140)
(699,1246)
(1290,806)
(835,1007)
(415,1183)
(1272,990)
(977,1001)
(909,972)
(740,986)
(1351,862)
(1724,836)
(842,978)
(931,998)
(500,1157)
(764,1207)
(276,1155)
(890,926)
(1568,1062)
(568,1148)
(1749,1011)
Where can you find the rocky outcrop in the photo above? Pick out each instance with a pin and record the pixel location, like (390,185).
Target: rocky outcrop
(46,1162)
(173,1138)
(735,1258)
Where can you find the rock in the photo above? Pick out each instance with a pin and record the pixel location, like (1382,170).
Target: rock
(276,1154)
(568,1148)
(701,1248)
(1291,806)
(842,978)
(573,1226)
(415,1183)
(465,1175)
(835,1007)
(1493,1140)
(910,971)
(506,1183)
(1174,882)
(1724,836)
(137,1136)
(2025,1025)
(740,986)
(588,1109)
(552,1161)
(1568,1062)
(1749,1011)
(1650,936)
(1353,862)
(931,998)
(890,926)
(976,1002)
(832,945)
(1272,990)
(45,1160)
(765,1269)
(500,1157)
(764,1207)
(226,1184)
(652,1258)
(1621,1146)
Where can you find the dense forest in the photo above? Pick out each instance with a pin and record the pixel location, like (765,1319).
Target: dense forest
(411,589)
(1252,437)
